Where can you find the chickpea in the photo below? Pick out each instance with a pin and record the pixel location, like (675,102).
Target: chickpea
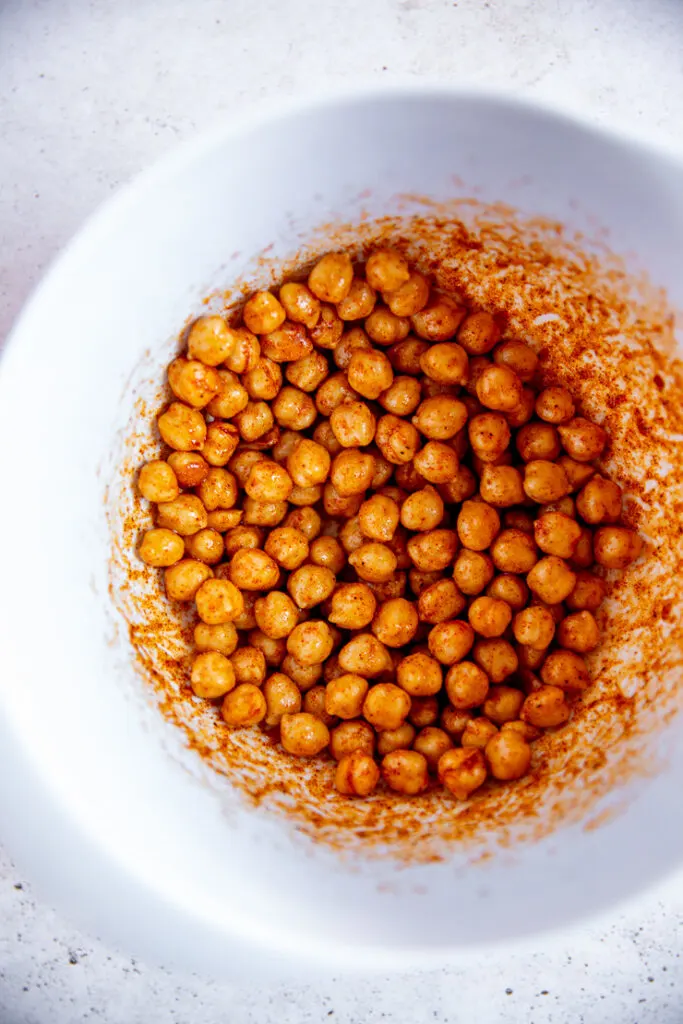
(353,606)
(230,398)
(401,397)
(466,685)
(212,675)
(538,441)
(210,340)
(551,579)
(294,409)
(244,706)
(511,589)
(477,734)
(423,510)
(184,515)
(496,657)
(397,440)
(439,320)
(329,328)
(350,736)
(419,675)
(247,620)
(218,601)
(389,589)
(255,420)
(331,278)
(440,601)
(300,304)
(432,742)
(262,382)
(157,482)
(478,524)
(395,739)
(303,734)
(588,593)
(440,417)
(395,622)
(310,642)
(253,570)
(161,548)
(374,562)
(554,405)
(353,424)
(460,488)
(518,519)
(579,632)
(357,774)
(489,435)
(359,302)
(518,357)
(436,463)
(287,343)
(190,468)
(545,481)
(282,698)
(530,659)
(489,616)
(501,486)
(479,333)
(242,537)
(328,553)
(399,545)
(582,440)
(451,641)
(344,696)
(305,676)
(462,771)
(583,552)
(263,313)
(324,436)
(410,297)
(249,664)
(268,482)
(306,521)
(528,732)
(386,706)
(454,721)
(557,534)
(378,518)
(386,270)
(566,670)
(245,353)
(386,329)
(508,756)
(221,637)
(534,627)
(546,708)
(351,536)
(276,614)
(523,412)
(503,704)
(193,382)
(310,585)
(499,388)
(206,546)
(405,771)
(308,372)
(514,551)
(472,572)
(352,471)
(365,655)
(599,501)
(578,473)
(433,550)
(182,427)
(273,650)
(405,356)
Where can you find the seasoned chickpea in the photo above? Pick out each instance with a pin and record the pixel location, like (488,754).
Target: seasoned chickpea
(530,660)
(218,489)
(462,486)
(588,593)
(538,441)
(351,536)
(582,557)
(551,579)
(599,501)
(499,388)
(386,270)
(351,472)
(445,363)
(242,537)
(545,481)
(433,550)
(268,482)
(479,333)
(489,435)
(333,392)
(184,578)
(182,427)
(503,704)
(308,372)
(252,569)
(353,424)
(439,319)
(422,510)
(276,614)
(450,642)
(508,756)
(397,440)
(210,340)
(273,650)
(370,373)
(205,545)
(437,462)
(344,696)
(306,521)
(405,356)
(466,685)
(528,732)
(294,409)
(324,436)
(554,405)
(365,655)
(249,664)
(440,601)
(496,657)
(221,637)
(566,670)
(378,518)
(518,519)
(350,736)
(329,328)
(582,440)
(472,571)
(282,697)
(359,302)
(264,513)
(489,616)
(357,774)
(245,353)
(441,417)
(221,441)
(579,632)
(255,420)
(395,622)
(244,706)
(374,562)
(212,675)
(523,412)
(419,675)
(454,721)
(310,642)
(305,676)
(193,382)
(477,734)
(557,534)
(161,548)
(331,278)
(514,551)
(432,742)
(231,397)
(511,589)
(401,397)
(578,473)
(395,739)
(386,329)
(310,585)
(218,601)
(185,515)
(286,344)
(410,297)
(300,304)
(389,589)
(386,706)
(157,482)
(303,734)
(501,486)
(546,708)
(405,771)
(190,468)
(328,553)
(262,382)
(353,606)
(518,357)
(462,771)
(478,524)
(263,313)
(534,627)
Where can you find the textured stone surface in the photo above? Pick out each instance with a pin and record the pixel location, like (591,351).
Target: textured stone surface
(91,92)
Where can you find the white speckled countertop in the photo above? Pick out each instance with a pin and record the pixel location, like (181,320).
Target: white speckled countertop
(92,91)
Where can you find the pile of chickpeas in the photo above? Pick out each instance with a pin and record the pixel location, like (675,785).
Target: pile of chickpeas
(387,525)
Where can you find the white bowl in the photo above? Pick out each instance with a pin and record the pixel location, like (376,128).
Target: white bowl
(99,797)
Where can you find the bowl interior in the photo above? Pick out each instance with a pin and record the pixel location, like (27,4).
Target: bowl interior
(138,809)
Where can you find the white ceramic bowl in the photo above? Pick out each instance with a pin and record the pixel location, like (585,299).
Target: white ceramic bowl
(96,800)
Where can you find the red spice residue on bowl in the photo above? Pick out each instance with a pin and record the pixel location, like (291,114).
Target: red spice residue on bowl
(606,335)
